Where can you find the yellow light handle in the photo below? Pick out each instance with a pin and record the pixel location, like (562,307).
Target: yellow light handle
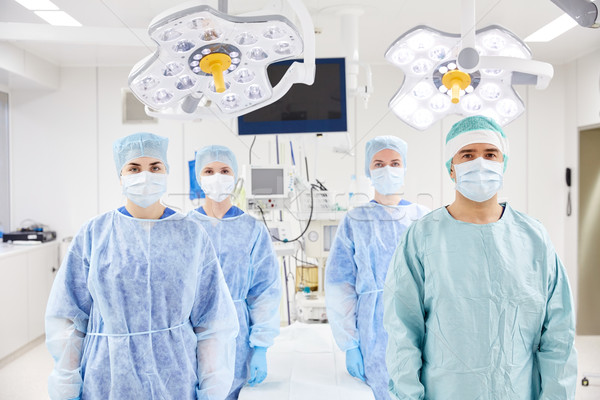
(215,64)
(216,70)
(455,92)
(456,80)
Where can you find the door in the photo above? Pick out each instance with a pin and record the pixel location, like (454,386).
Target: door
(588,317)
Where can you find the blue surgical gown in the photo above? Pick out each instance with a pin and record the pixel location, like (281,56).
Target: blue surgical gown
(479,312)
(356,269)
(140,310)
(243,246)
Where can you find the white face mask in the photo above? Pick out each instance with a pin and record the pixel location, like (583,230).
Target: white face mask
(218,186)
(144,188)
(479,180)
(387,180)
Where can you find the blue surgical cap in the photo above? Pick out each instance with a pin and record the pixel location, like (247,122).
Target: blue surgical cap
(140,145)
(209,154)
(475,129)
(379,143)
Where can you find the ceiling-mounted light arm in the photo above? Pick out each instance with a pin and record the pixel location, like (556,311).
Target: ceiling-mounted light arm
(528,71)
(368,89)
(468,22)
(308,36)
(468,57)
(224,6)
(350,27)
(584,12)
(350,32)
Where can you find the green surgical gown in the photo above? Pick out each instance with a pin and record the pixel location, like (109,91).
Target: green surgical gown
(479,312)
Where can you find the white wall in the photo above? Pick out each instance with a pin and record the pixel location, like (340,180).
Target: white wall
(75,126)
(63,172)
(546,158)
(53,153)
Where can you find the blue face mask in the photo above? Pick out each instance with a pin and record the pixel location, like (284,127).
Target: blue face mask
(144,188)
(387,180)
(479,180)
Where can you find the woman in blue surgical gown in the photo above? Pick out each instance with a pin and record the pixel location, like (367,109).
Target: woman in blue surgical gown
(248,260)
(358,261)
(139,308)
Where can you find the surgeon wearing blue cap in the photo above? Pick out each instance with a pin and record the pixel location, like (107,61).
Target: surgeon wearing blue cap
(477,303)
(243,246)
(139,308)
(358,261)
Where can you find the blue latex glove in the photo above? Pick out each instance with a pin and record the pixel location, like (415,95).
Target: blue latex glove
(355,364)
(258,366)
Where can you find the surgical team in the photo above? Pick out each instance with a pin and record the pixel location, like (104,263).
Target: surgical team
(465,302)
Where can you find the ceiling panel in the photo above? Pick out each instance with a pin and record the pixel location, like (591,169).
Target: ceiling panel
(382,22)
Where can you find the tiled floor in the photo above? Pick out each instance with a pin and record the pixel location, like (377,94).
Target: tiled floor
(25,377)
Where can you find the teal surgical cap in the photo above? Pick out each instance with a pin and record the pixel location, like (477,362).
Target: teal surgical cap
(475,129)
(140,145)
(379,143)
(209,154)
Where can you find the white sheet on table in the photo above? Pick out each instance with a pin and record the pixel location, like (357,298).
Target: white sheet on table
(305,363)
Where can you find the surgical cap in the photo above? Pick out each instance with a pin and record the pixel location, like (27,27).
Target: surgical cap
(379,143)
(475,129)
(209,154)
(139,145)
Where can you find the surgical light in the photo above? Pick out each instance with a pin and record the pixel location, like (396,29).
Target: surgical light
(172,69)
(439,103)
(209,63)
(436,83)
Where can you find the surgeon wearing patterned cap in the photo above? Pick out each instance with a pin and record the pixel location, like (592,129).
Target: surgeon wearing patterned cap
(477,303)
(139,308)
(358,262)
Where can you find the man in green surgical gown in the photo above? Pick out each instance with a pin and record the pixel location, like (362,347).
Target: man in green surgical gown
(477,304)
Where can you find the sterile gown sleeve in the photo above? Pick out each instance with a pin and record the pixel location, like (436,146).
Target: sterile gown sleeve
(340,288)
(404,320)
(557,357)
(215,322)
(67,316)
(264,294)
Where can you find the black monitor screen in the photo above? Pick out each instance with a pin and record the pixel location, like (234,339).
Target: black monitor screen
(320,107)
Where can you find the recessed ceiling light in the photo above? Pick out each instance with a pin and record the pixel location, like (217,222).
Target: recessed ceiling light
(58,18)
(554,29)
(37,5)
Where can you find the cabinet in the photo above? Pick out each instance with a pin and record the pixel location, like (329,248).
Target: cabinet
(13,303)
(27,274)
(42,265)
